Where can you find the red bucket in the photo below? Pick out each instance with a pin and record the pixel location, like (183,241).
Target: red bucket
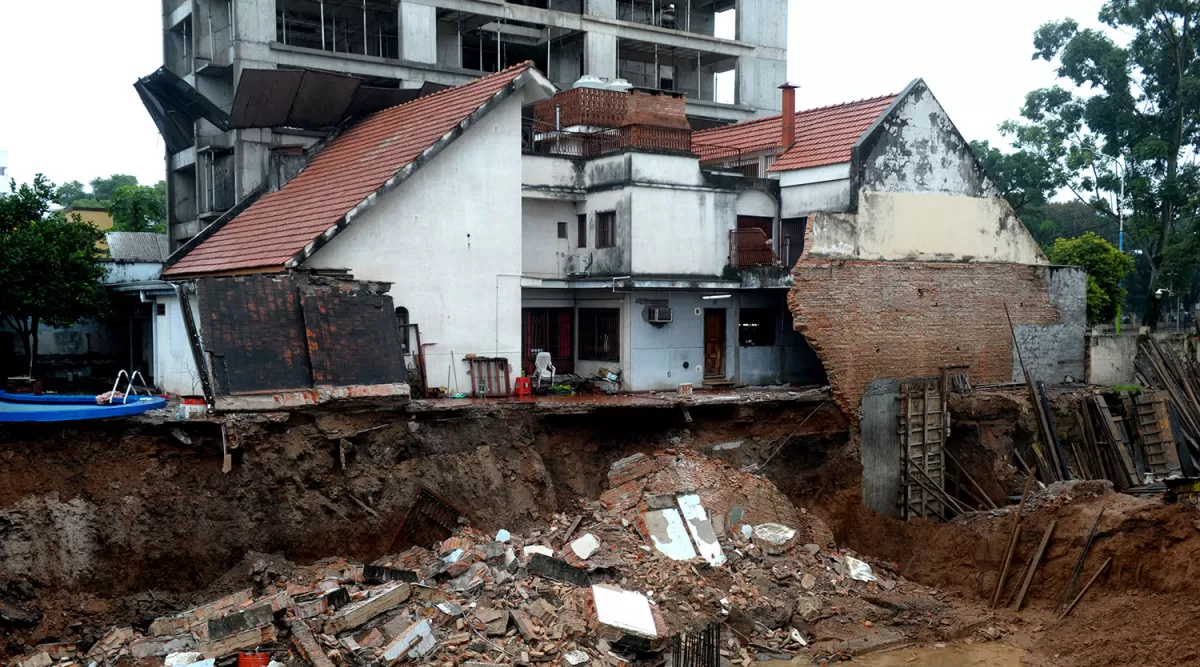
(253,659)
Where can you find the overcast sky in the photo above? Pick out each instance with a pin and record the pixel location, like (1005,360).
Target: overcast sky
(68,108)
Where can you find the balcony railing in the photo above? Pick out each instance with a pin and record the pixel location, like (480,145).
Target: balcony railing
(583,106)
(727,158)
(749,248)
(604,142)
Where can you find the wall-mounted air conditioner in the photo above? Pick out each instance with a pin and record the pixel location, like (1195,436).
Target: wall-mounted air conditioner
(659,315)
(578,264)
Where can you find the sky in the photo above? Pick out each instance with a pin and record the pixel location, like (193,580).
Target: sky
(67,68)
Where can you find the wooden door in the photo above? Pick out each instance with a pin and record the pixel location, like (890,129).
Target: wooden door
(714,343)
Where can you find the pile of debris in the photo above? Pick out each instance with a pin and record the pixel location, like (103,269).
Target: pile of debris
(681,552)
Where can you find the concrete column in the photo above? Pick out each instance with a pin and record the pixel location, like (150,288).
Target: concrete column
(418,32)
(758,80)
(603,8)
(600,55)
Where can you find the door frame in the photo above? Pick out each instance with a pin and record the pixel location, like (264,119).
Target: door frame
(718,373)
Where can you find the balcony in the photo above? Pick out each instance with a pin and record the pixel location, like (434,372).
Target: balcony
(606,141)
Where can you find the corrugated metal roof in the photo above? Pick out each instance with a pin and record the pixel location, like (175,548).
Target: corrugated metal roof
(281,224)
(137,246)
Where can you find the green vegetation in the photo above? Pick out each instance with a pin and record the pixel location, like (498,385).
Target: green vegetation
(50,269)
(1106,267)
(134,207)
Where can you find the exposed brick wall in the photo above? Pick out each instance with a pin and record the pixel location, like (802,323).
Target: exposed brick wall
(353,338)
(253,331)
(872,320)
(658,110)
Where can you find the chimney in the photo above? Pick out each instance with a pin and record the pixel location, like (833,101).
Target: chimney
(789,115)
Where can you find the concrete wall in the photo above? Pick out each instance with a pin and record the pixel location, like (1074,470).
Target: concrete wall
(881,447)
(454,260)
(1055,352)
(174,367)
(824,188)
(1111,357)
(543,254)
(127,272)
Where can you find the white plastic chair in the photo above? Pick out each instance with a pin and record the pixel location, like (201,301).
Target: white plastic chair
(543,369)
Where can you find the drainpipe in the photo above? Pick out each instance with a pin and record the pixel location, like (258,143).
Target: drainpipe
(789,115)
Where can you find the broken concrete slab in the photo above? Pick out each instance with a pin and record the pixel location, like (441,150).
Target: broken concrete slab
(315,604)
(40,659)
(532,549)
(159,647)
(182,658)
(471,580)
(359,613)
(773,538)
(495,621)
(307,645)
(623,611)
(669,535)
(243,640)
(576,658)
(557,569)
(415,642)
(701,529)
(585,546)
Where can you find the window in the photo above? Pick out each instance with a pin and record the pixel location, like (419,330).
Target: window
(562,230)
(756,326)
(599,334)
(402,322)
(606,229)
(581,230)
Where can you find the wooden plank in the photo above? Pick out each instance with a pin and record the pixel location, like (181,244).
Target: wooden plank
(1033,565)
(1117,438)
(1087,586)
(1087,546)
(1012,542)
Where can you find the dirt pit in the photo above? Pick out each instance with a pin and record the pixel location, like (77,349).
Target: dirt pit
(955,655)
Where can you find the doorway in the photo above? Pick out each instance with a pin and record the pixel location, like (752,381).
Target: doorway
(714,343)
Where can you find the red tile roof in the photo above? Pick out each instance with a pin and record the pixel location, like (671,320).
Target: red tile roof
(280,224)
(824,135)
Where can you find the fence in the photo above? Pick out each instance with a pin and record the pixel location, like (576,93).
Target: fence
(750,247)
(603,142)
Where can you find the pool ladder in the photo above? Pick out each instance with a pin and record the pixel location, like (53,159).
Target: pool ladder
(129,388)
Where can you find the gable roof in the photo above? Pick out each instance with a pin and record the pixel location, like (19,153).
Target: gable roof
(137,246)
(824,135)
(282,228)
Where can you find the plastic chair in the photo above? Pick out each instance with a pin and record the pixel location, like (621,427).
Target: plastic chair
(543,369)
(522,387)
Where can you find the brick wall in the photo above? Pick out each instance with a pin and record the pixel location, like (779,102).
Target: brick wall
(872,320)
(657,110)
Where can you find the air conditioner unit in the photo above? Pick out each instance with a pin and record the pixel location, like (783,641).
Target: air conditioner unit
(578,264)
(659,315)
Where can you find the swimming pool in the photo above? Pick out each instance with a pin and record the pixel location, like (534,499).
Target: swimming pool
(70,407)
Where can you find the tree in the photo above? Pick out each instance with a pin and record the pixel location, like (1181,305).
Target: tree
(103,188)
(70,192)
(1025,179)
(1130,117)
(1107,267)
(50,270)
(136,208)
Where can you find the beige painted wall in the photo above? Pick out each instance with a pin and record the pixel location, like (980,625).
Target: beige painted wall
(926,227)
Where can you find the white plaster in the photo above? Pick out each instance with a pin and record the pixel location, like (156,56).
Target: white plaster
(454,260)
(175,370)
(701,529)
(669,535)
(624,610)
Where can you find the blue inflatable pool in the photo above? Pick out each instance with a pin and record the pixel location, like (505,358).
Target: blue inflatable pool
(66,407)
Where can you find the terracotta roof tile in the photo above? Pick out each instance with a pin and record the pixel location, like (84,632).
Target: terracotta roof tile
(824,135)
(280,224)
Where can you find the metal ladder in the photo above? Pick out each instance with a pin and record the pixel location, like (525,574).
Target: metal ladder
(129,388)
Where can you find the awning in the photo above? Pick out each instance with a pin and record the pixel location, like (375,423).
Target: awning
(175,107)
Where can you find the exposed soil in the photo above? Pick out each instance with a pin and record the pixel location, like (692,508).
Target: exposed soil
(125,520)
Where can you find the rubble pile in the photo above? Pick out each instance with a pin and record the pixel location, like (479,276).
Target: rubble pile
(677,543)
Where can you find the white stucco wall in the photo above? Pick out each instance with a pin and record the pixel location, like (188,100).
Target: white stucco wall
(681,232)
(824,188)
(543,254)
(174,367)
(449,241)
(127,272)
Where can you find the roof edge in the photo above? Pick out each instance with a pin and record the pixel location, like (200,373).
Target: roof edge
(213,227)
(405,172)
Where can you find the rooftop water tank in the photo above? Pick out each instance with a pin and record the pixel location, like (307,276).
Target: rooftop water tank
(589,81)
(620,86)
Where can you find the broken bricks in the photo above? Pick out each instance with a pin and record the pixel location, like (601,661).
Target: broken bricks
(359,613)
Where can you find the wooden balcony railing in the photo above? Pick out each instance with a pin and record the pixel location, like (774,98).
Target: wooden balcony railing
(750,247)
(583,106)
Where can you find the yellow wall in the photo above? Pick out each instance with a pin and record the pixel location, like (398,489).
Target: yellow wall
(98,218)
(926,227)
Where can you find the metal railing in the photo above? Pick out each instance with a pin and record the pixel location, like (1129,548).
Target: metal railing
(727,158)
(750,247)
(603,142)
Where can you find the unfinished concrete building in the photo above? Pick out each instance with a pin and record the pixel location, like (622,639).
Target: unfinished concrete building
(725,56)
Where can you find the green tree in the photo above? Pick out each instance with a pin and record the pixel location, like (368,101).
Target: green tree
(1127,122)
(70,192)
(1025,179)
(1106,267)
(136,208)
(50,270)
(103,188)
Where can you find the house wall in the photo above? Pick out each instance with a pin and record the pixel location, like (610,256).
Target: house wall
(870,320)
(824,188)
(543,254)
(1111,357)
(454,261)
(174,368)
(128,272)
(1055,352)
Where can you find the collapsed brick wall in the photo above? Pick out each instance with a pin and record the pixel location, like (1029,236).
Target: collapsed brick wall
(353,338)
(870,320)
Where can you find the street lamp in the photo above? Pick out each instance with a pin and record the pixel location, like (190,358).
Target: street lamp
(1119,165)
